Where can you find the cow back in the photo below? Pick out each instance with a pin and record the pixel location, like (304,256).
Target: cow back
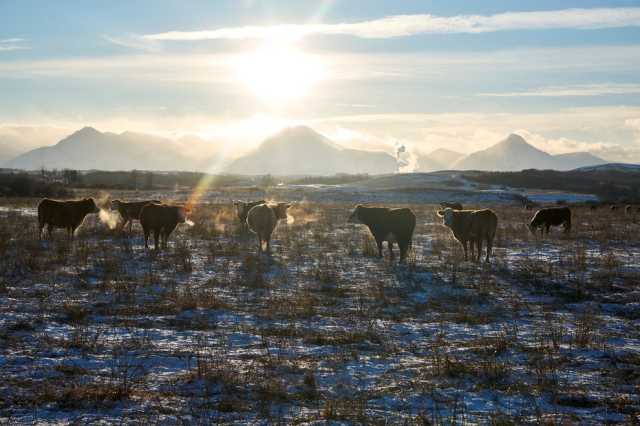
(261,219)
(382,221)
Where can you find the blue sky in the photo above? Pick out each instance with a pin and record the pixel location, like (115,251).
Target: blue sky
(428,74)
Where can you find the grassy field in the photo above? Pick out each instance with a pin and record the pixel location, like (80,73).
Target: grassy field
(208,332)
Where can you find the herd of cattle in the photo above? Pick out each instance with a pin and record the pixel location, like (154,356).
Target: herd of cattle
(475,227)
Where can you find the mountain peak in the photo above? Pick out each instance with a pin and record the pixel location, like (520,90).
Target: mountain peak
(297,132)
(514,139)
(300,150)
(87,131)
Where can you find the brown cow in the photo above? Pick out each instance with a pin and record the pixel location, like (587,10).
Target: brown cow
(262,220)
(390,225)
(130,211)
(161,219)
(474,226)
(242,210)
(64,214)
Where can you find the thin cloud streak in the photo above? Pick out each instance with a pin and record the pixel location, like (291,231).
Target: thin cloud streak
(410,25)
(572,91)
(11,44)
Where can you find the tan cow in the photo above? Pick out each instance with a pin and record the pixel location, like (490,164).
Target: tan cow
(130,211)
(262,220)
(161,220)
(474,226)
(64,214)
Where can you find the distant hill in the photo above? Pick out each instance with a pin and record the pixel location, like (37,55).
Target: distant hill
(611,167)
(88,149)
(514,154)
(440,159)
(302,151)
(16,140)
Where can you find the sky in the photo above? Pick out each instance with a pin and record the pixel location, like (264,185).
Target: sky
(369,74)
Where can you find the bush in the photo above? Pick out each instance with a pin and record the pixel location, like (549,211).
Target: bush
(25,185)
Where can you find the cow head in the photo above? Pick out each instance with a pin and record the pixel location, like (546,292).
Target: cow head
(447,216)
(532,227)
(182,214)
(355,215)
(280,210)
(115,205)
(91,204)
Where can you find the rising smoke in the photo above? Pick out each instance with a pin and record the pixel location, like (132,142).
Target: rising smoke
(407,160)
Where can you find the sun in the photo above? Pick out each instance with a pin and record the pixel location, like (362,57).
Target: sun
(279,73)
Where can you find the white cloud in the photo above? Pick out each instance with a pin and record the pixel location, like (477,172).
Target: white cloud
(10,44)
(409,25)
(574,90)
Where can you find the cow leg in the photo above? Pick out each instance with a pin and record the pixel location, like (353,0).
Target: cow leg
(259,243)
(479,244)
(130,225)
(145,232)
(489,248)
(267,238)
(464,245)
(403,251)
(390,244)
(156,238)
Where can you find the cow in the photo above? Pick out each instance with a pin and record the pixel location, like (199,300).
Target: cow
(390,225)
(242,210)
(130,211)
(262,220)
(454,206)
(474,226)
(613,207)
(552,216)
(64,214)
(161,220)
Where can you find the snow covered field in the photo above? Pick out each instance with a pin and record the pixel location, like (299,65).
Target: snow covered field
(206,331)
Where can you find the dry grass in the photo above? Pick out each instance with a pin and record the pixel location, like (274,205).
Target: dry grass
(320,330)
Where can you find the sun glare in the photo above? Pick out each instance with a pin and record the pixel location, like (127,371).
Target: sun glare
(278,73)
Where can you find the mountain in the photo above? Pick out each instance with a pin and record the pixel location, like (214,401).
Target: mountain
(302,151)
(440,159)
(90,149)
(16,140)
(514,154)
(575,160)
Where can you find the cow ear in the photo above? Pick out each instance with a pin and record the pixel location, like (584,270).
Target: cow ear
(440,213)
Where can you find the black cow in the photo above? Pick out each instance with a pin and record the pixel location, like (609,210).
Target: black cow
(242,210)
(64,214)
(390,225)
(553,216)
(454,206)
